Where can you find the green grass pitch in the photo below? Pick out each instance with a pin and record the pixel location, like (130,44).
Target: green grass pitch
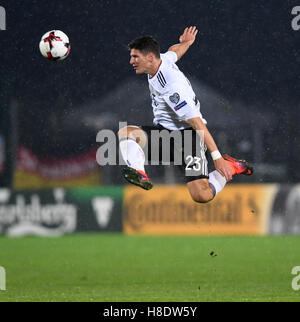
(114,267)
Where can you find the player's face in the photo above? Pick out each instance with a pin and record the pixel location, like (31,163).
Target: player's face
(139,61)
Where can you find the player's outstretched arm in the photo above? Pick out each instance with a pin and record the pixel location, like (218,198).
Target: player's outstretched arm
(185,41)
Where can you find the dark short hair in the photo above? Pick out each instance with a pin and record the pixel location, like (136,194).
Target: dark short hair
(145,44)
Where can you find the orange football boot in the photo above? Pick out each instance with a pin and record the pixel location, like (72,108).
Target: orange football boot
(239,166)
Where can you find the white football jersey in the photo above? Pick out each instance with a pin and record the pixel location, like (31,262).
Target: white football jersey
(173,98)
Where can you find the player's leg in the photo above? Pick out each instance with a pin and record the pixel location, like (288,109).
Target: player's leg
(201,190)
(205,187)
(202,185)
(132,140)
(204,190)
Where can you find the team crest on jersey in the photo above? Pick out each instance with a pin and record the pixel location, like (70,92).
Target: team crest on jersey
(175,98)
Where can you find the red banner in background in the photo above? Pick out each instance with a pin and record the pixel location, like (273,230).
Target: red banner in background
(38,172)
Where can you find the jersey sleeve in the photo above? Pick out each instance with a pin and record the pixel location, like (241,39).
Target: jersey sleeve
(181,103)
(171,56)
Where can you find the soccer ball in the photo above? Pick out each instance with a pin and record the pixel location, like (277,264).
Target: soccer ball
(55,45)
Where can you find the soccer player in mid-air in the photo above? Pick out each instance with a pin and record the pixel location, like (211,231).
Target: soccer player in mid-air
(175,108)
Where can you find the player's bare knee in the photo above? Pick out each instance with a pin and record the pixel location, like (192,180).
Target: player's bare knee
(200,190)
(124,132)
(202,196)
(133,132)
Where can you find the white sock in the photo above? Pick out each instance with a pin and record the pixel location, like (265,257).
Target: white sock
(133,154)
(217,181)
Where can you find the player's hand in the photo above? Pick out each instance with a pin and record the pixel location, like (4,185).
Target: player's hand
(189,35)
(224,168)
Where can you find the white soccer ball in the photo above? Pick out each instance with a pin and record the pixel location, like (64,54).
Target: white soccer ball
(55,45)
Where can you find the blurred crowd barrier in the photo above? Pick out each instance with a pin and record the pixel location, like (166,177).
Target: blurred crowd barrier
(240,209)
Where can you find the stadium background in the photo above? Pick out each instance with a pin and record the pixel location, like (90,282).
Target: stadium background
(243,67)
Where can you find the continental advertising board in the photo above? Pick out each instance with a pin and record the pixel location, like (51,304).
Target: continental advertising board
(237,210)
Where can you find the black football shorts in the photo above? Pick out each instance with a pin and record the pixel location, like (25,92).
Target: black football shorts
(184,149)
